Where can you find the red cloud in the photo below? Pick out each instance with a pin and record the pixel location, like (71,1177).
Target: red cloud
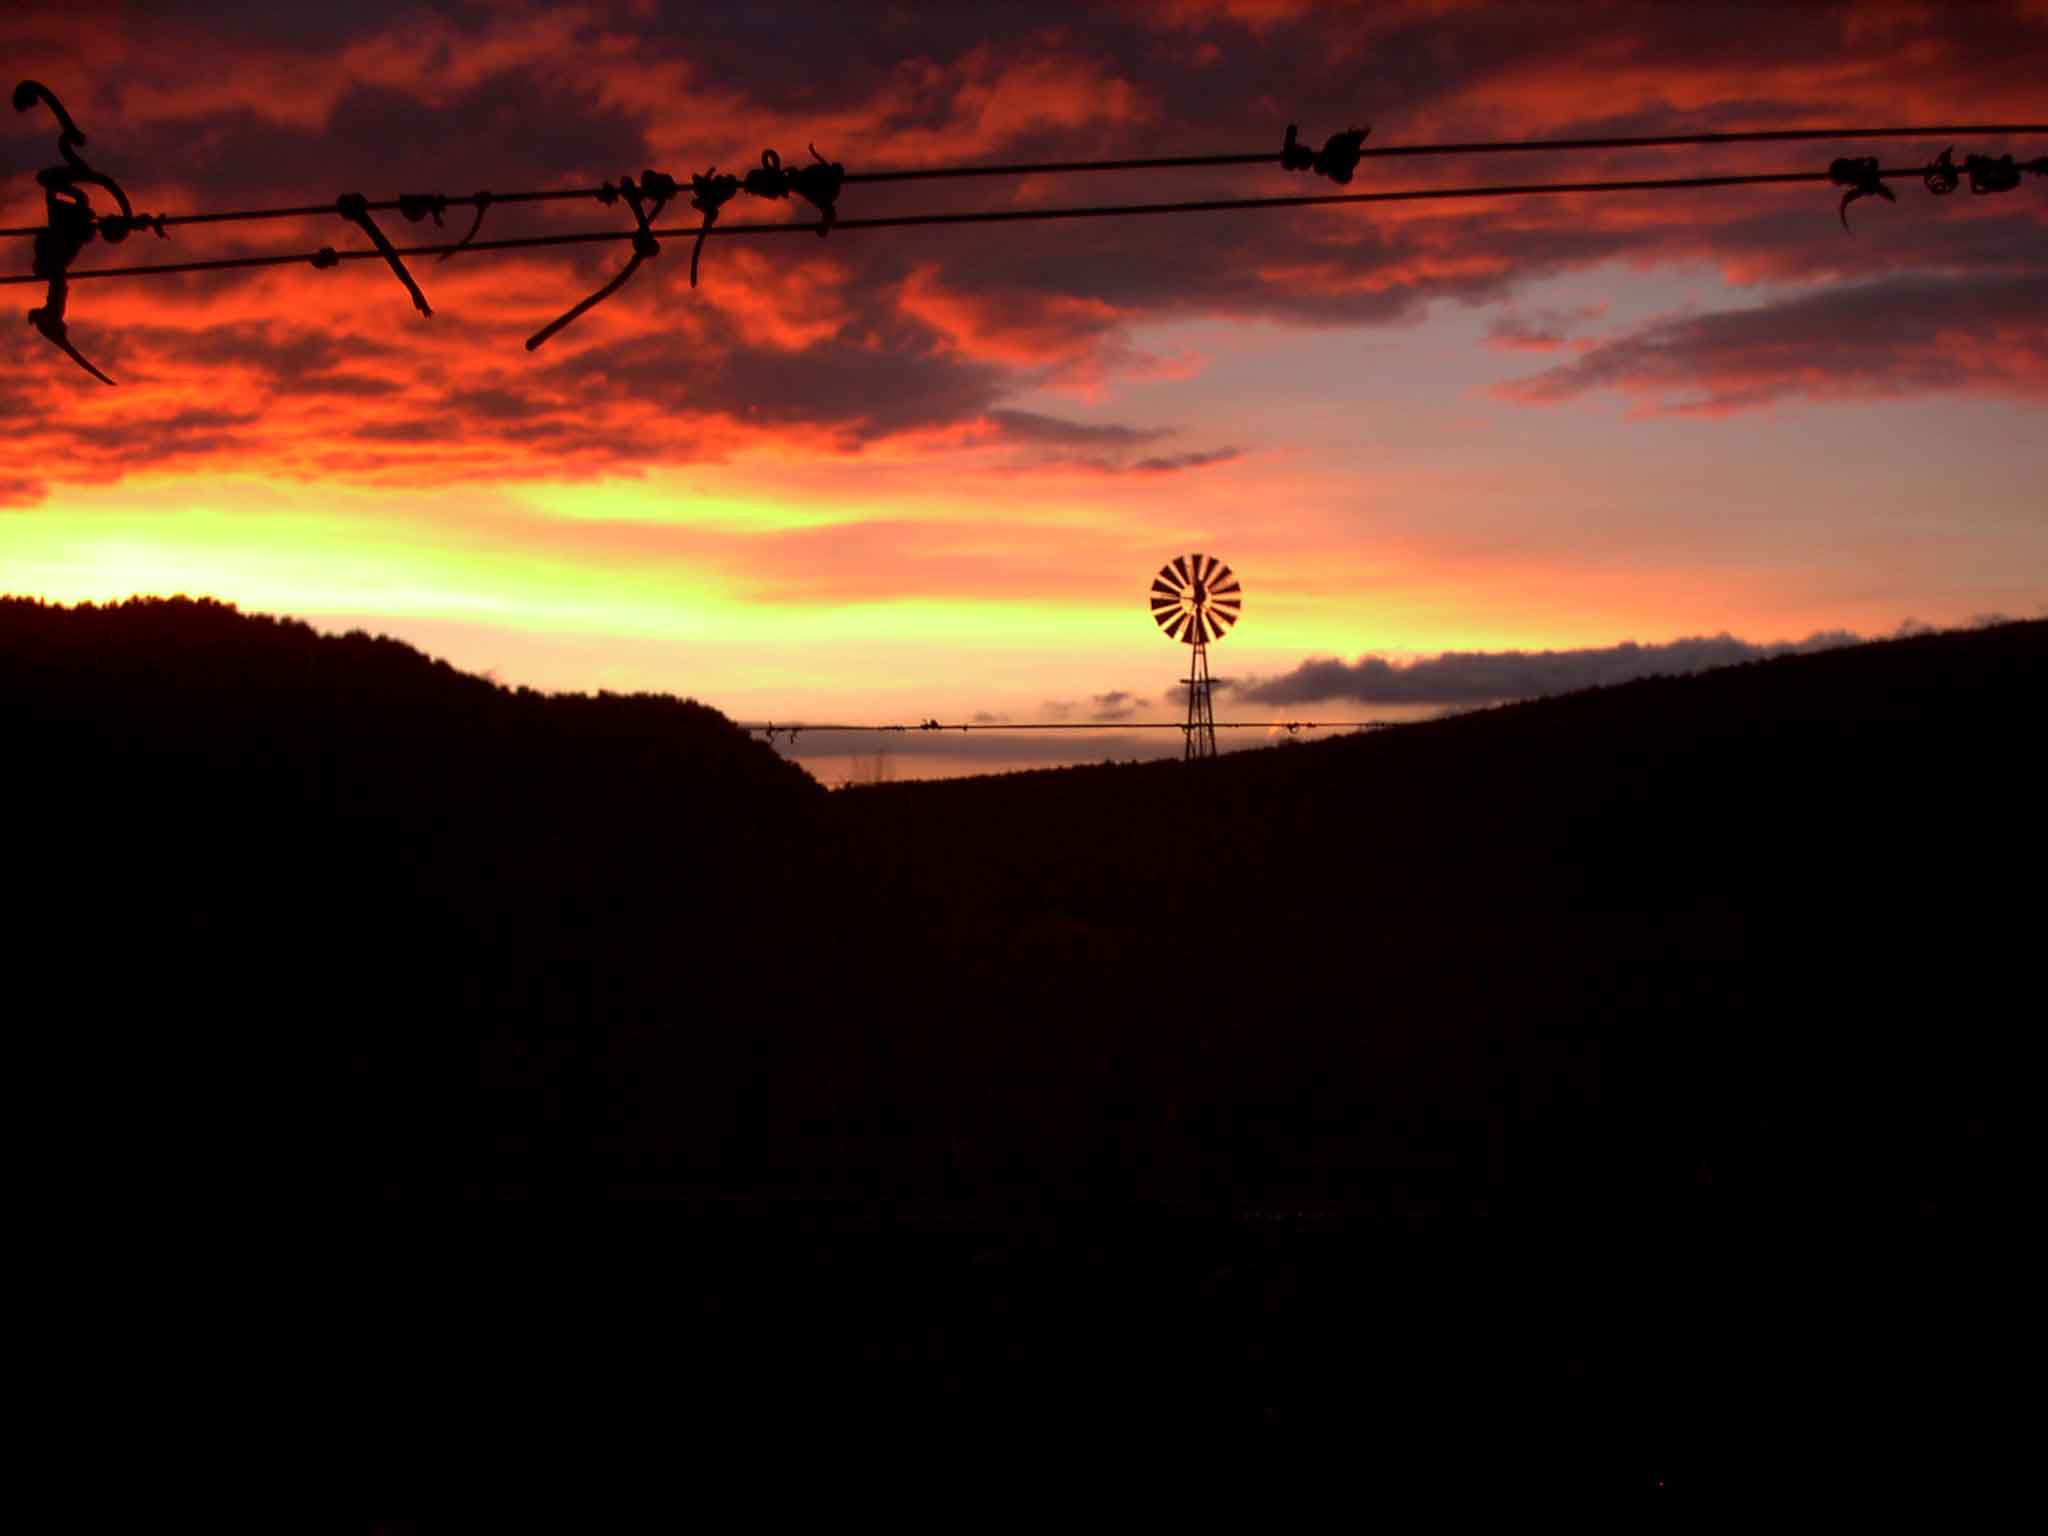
(1022,329)
(803,349)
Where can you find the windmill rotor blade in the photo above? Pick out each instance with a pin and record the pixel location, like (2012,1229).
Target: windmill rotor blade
(1196,598)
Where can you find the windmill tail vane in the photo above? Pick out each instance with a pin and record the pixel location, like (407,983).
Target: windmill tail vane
(1197,599)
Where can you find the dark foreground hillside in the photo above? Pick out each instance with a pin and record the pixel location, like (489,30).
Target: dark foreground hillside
(1756,937)
(327,911)
(1093,1087)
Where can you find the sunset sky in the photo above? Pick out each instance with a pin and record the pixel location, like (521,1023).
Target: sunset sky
(899,474)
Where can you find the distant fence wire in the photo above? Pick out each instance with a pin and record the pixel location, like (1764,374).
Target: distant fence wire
(804,728)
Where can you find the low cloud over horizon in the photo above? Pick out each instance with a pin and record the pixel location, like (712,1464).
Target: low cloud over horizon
(1489,677)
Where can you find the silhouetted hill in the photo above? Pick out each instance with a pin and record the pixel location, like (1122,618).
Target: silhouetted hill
(1737,932)
(1057,1099)
(276,863)
(1744,937)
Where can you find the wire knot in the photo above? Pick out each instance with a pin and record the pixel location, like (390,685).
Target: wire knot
(354,207)
(659,187)
(116,227)
(1989,175)
(653,192)
(69,220)
(1860,176)
(818,184)
(709,193)
(423,205)
(768,179)
(1941,176)
(1337,159)
(481,201)
(646,197)
(325,257)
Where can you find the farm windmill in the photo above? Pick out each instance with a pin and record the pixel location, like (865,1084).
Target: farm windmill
(1196,599)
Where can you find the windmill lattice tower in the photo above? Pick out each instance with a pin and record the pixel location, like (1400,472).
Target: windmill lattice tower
(1196,599)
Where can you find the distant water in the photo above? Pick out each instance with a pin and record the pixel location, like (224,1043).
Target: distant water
(835,758)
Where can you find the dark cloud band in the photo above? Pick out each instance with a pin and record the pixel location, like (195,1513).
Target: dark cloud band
(1482,677)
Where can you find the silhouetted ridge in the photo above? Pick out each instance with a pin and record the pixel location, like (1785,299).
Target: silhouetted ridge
(1741,938)
(1684,786)
(332,861)
(1738,936)
(1059,1098)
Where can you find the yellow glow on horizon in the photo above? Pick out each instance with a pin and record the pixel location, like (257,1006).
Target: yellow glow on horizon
(857,596)
(658,500)
(304,551)
(291,551)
